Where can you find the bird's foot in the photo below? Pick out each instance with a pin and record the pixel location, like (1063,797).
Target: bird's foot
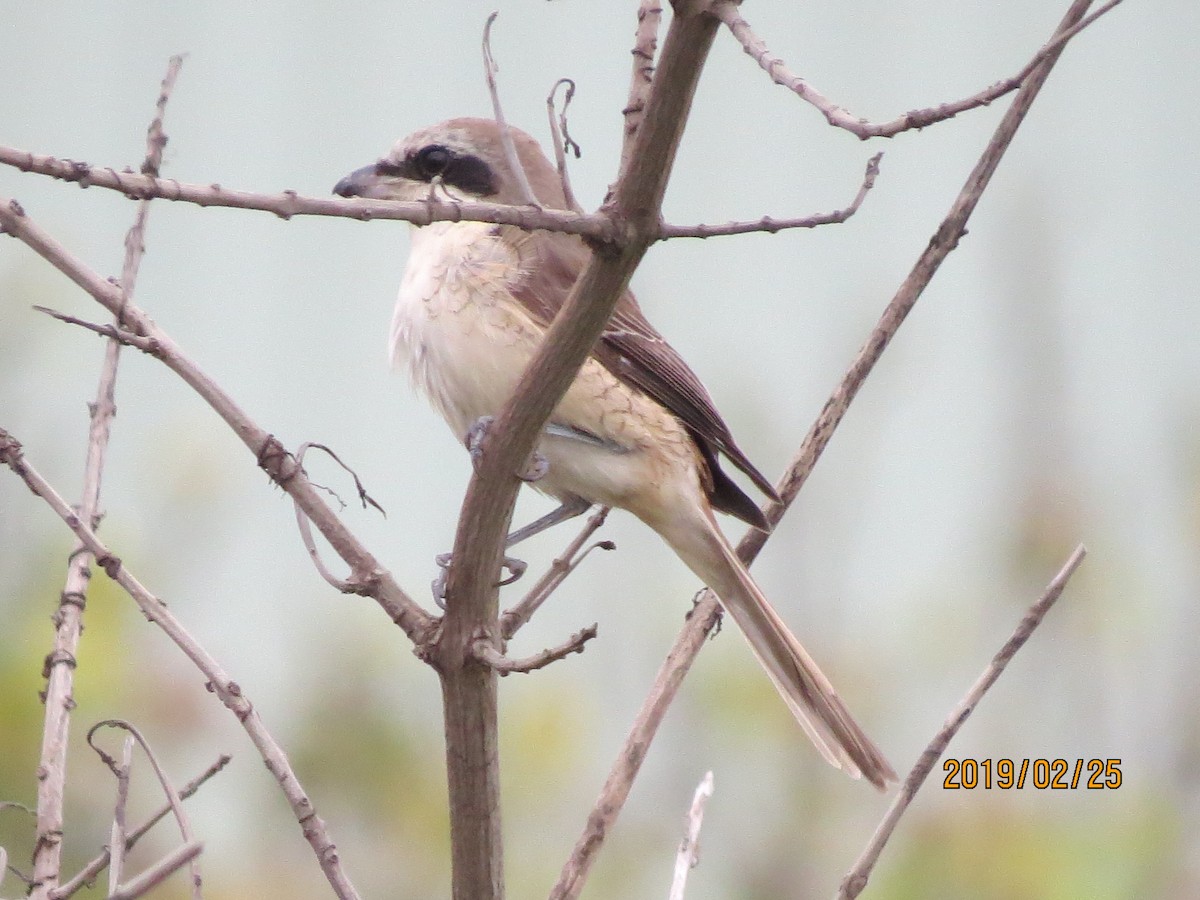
(516,568)
(536,466)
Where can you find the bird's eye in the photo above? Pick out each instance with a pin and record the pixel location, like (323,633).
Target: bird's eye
(432,161)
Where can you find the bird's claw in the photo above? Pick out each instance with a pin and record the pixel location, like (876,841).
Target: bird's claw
(536,467)
(516,568)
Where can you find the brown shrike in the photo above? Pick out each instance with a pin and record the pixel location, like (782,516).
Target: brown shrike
(635,430)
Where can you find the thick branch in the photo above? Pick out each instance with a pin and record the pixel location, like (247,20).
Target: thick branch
(469,688)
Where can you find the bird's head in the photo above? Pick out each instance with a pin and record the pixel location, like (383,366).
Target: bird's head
(468,158)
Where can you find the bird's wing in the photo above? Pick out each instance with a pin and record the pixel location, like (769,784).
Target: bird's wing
(633,350)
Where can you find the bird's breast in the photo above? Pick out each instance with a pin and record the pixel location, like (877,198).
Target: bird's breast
(466,340)
(456,328)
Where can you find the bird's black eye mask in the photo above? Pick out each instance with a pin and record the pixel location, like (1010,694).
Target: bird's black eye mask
(464,171)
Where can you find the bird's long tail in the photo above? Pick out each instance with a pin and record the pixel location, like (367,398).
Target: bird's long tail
(805,689)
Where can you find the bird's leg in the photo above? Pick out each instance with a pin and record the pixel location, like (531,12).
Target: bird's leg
(516,568)
(536,469)
(568,509)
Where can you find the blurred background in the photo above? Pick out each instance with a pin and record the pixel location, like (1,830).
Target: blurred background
(1045,391)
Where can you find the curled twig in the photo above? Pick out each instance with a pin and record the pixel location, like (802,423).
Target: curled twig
(97,865)
(121,770)
(510,149)
(562,139)
(350,585)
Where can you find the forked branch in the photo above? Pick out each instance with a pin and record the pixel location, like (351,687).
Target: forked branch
(728,11)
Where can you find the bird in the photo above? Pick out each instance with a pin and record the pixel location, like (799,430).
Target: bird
(636,429)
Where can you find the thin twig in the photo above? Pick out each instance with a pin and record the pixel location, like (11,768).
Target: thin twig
(856,879)
(505,665)
(108,330)
(270,454)
(68,619)
(159,872)
(645,45)
(729,13)
(704,617)
(116,839)
(288,203)
(561,138)
(689,848)
(597,225)
(89,872)
(227,690)
(771,226)
(510,149)
(121,771)
(345,585)
(566,563)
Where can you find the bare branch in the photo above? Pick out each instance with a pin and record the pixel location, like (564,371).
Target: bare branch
(159,872)
(728,12)
(271,455)
(767,224)
(510,149)
(689,848)
(347,585)
(707,612)
(112,332)
(561,138)
(97,865)
(645,44)
(121,770)
(566,563)
(68,619)
(856,879)
(504,665)
(289,203)
(468,689)
(598,225)
(116,840)
(633,752)
(227,690)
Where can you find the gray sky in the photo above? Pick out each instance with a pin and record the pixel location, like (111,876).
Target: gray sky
(1044,391)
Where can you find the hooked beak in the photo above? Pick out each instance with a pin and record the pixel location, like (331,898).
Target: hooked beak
(362,182)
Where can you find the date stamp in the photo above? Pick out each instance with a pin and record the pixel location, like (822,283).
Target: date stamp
(1040,774)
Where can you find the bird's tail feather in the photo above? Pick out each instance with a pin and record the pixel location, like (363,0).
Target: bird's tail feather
(803,686)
